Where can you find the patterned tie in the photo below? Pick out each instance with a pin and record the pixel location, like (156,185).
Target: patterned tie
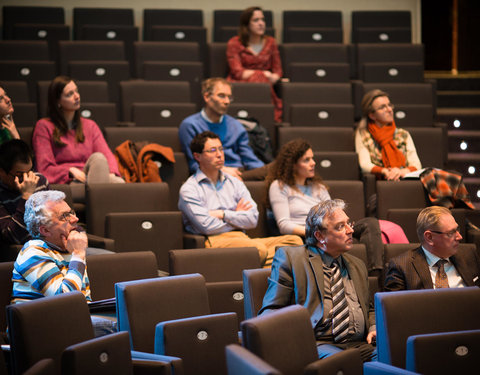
(340,307)
(441,280)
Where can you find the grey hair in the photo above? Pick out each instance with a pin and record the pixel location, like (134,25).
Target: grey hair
(35,210)
(316,217)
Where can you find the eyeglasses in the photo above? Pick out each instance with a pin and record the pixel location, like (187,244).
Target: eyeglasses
(67,215)
(213,150)
(341,227)
(225,96)
(449,234)
(383,107)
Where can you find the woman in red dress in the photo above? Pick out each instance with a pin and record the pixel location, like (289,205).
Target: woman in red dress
(253,56)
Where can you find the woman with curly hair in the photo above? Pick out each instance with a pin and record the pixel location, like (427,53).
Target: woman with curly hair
(293,188)
(253,56)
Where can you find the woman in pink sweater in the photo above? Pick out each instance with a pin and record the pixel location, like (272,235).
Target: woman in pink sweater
(68,147)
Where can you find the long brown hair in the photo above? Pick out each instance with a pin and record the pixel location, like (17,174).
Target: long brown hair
(244,31)
(55,91)
(282,168)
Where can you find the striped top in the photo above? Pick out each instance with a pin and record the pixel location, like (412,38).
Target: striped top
(43,270)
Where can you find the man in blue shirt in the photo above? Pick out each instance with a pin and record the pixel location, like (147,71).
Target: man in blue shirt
(219,206)
(240,160)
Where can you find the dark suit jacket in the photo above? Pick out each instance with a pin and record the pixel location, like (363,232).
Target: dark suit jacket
(297,278)
(410,270)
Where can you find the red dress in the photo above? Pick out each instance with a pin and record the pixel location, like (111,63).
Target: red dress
(240,58)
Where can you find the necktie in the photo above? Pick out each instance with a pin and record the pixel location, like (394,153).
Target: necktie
(441,280)
(340,307)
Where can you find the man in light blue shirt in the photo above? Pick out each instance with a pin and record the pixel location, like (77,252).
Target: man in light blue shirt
(219,206)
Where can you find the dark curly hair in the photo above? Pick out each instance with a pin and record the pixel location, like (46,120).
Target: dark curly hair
(282,168)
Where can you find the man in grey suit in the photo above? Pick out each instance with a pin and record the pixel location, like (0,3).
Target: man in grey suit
(438,262)
(305,275)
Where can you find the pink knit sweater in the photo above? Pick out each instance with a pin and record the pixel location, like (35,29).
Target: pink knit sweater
(54,162)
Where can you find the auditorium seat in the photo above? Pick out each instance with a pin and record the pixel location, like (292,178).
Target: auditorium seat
(95,61)
(331,103)
(381,26)
(25,114)
(304,62)
(141,91)
(312,26)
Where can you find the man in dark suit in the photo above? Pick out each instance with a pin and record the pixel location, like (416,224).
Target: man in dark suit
(316,275)
(439,262)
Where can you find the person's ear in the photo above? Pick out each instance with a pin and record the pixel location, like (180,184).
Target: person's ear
(43,230)
(371,116)
(428,237)
(319,237)
(196,156)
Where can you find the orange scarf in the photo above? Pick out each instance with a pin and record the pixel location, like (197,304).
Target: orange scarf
(391,156)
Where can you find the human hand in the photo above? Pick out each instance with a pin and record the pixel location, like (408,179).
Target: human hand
(243,205)
(392,174)
(216,213)
(28,185)
(9,124)
(272,77)
(76,243)
(78,174)
(372,337)
(232,171)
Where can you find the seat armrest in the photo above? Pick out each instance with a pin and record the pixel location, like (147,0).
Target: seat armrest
(379,368)
(175,362)
(242,361)
(193,241)
(101,242)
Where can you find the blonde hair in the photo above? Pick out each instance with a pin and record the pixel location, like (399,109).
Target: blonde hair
(428,218)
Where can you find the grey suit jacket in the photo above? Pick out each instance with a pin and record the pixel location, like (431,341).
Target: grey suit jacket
(297,278)
(410,270)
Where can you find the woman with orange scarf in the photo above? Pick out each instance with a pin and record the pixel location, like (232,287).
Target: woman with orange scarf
(382,148)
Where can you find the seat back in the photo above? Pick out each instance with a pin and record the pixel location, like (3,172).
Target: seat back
(170,17)
(30,328)
(255,284)
(200,342)
(29,15)
(109,198)
(242,361)
(446,352)
(141,231)
(283,338)
(140,91)
(381,26)
(352,193)
(107,355)
(259,195)
(320,138)
(217,59)
(222,269)
(399,194)
(402,314)
(142,304)
(337,165)
(6,269)
(312,26)
(105,270)
(214,264)
(87,17)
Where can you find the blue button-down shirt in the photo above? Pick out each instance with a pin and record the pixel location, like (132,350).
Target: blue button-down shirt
(199,195)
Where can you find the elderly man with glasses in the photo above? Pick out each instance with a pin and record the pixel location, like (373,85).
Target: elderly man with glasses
(330,283)
(219,206)
(438,262)
(54,261)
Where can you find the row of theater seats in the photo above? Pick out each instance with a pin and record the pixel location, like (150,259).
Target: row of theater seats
(193,317)
(313,26)
(107,61)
